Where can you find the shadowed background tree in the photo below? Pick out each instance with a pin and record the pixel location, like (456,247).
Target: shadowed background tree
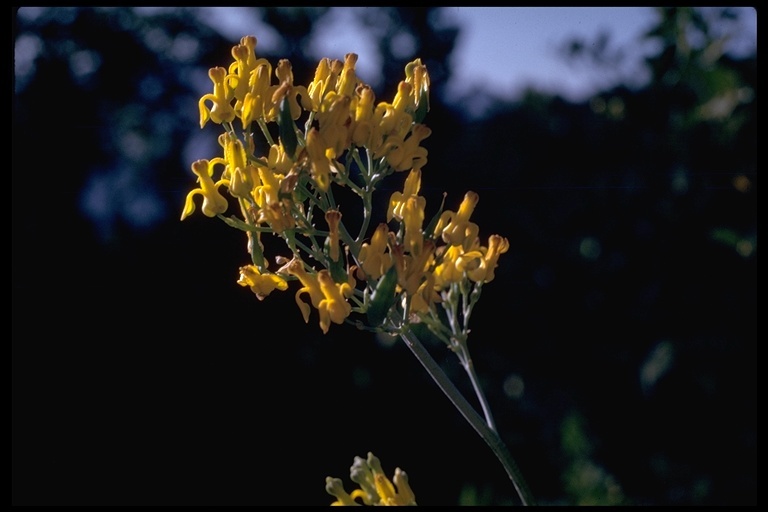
(617,344)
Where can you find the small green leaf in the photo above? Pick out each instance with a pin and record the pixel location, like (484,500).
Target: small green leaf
(257,254)
(382,297)
(287,129)
(423,108)
(337,268)
(433,223)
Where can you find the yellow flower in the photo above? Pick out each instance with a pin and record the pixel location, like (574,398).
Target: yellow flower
(416,75)
(221,111)
(335,488)
(260,284)
(334,306)
(375,487)
(414,156)
(284,73)
(327,296)
(410,189)
(348,79)
(404,101)
(373,258)
(413,218)
(234,154)
(334,118)
(311,287)
(411,268)
(269,191)
(243,182)
(278,160)
(363,126)
(257,102)
(240,176)
(404,154)
(454,227)
(448,270)
(277,215)
(425,296)
(390,122)
(408,207)
(320,163)
(481,269)
(326,77)
(333,218)
(240,70)
(213,202)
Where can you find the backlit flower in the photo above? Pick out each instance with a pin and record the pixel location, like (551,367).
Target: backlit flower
(277,215)
(335,119)
(310,287)
(405,154)
(333,218)
(455,227)
(240,70)
(375,487)
(284,73)
(416,75)
(234,154)
(222,110)
(326,77)
(278,160)
(404,101)
(269,191)
(320,164)
(410,189)
(448,271)
(425,296)
(374,259)
(482,269)
(363,125)
(257,103)
(260,284)
(213,202)
(334,306)
(348,79)
(326,295)
(413,218)
(411,268)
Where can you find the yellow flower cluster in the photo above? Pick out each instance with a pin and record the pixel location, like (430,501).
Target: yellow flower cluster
(423,268)
(354,142)
(374,486)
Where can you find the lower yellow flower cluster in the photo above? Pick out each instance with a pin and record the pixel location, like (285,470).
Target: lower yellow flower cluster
(374,486)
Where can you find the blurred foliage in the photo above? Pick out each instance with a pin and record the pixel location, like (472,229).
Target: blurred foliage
(585,482)
(617,344)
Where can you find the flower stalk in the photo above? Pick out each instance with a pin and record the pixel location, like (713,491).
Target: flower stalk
(484,430)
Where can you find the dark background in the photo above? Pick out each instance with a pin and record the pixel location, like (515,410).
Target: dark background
(617,344)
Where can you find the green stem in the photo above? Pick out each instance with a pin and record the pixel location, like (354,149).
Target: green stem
(488,435)
(469,367)
(265,131)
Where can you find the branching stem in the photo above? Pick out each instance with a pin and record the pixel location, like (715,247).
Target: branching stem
(487,433)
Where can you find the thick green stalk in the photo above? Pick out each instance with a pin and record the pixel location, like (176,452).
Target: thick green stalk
(454,395)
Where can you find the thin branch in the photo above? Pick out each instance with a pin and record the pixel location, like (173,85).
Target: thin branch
(454,395)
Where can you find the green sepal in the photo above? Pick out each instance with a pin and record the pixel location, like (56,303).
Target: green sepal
(337,268)
(301,192)
(287,129)
(433,223)
(382,297)
(257,253)
(423,108)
